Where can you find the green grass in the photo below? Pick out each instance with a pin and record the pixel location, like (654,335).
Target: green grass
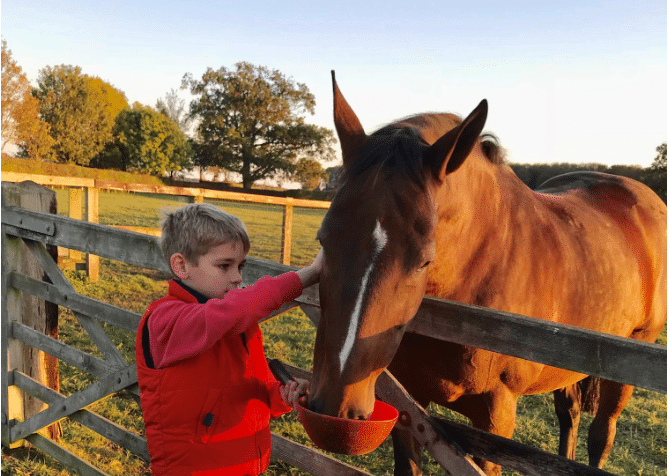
(640,447)
(263,222)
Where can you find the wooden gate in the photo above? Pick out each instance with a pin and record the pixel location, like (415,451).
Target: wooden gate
(451,444)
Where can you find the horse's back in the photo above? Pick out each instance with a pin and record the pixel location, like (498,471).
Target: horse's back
(624,189)
(642,217)
(616,196)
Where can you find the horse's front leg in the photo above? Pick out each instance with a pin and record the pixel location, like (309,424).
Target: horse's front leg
(406,452)
(494,412)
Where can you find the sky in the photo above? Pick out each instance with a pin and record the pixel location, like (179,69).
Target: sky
(571,81)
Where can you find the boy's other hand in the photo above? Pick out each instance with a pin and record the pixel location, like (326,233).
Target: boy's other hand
(310,275)
(293,391)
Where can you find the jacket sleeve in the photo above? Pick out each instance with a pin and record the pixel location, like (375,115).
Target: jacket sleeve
(277,405)
(179,330)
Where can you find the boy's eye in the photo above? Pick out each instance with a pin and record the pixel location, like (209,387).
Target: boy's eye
(226,267)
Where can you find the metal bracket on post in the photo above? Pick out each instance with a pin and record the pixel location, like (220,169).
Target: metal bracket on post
(11,217)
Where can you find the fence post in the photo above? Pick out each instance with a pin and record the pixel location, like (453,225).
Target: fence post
(287,229)
(92,215)
(76,196)
(28,310)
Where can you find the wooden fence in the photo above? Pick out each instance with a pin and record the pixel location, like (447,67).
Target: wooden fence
(84,196)
(450,444)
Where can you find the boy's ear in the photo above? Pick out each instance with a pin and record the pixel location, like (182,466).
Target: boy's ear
(179,265)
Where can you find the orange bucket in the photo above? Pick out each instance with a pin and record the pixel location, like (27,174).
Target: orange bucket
(341,435)
(349,437)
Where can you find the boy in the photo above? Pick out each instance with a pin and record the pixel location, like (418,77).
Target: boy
(206,390)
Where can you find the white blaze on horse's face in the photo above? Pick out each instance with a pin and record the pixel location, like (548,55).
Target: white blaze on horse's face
(379,239)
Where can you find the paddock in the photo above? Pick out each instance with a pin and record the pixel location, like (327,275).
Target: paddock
(29,237)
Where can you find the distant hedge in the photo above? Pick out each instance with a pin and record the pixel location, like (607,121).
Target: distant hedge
(28,166)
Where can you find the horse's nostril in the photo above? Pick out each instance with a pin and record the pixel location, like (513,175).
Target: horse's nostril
(356,415)
(315,406)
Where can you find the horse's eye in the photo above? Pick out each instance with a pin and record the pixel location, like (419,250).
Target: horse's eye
(424,266)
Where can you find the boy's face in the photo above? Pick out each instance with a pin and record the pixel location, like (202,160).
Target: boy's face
(217,272)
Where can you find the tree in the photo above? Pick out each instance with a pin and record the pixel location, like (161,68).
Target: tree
(21,124)
(656,176)
(150,142)
(251,122)
(175,109)
(81,111)
(309,173)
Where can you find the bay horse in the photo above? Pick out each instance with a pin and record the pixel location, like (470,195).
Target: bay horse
(426,205)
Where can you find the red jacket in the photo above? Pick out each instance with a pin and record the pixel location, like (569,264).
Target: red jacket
(208,411)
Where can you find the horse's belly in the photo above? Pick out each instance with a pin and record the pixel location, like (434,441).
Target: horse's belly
(552,378)
(438,371)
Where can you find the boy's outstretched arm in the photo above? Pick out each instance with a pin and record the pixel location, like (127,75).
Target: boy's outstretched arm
(310,275)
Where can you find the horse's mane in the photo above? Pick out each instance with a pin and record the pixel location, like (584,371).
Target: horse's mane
(400,149)
(393,149)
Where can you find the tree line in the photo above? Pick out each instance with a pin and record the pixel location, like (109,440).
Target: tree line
(534,175)
(247,119)
(654,176)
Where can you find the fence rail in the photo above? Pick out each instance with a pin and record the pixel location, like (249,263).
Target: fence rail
(55,181)
(85,192)
(580,350)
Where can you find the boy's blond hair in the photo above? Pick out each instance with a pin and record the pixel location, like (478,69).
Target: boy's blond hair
(196,228)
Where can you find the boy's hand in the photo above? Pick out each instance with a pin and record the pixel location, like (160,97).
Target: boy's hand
(293,390)
(310,275)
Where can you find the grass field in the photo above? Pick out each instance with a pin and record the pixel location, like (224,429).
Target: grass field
(263,222)
(640,447)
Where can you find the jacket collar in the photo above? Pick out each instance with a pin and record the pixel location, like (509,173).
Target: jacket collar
(199,297)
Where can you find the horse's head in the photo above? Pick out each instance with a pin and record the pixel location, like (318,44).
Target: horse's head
(379,239)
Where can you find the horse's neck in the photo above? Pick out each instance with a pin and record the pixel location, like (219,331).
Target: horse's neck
(477,196)
(475,207)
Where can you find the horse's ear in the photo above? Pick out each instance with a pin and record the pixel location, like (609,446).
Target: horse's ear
(349,128)
(450,151)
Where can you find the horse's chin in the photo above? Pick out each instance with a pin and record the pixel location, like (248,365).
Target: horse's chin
(356,415)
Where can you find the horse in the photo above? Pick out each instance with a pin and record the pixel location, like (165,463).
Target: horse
(427,205)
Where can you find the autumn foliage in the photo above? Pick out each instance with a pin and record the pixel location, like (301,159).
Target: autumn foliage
(21,123)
